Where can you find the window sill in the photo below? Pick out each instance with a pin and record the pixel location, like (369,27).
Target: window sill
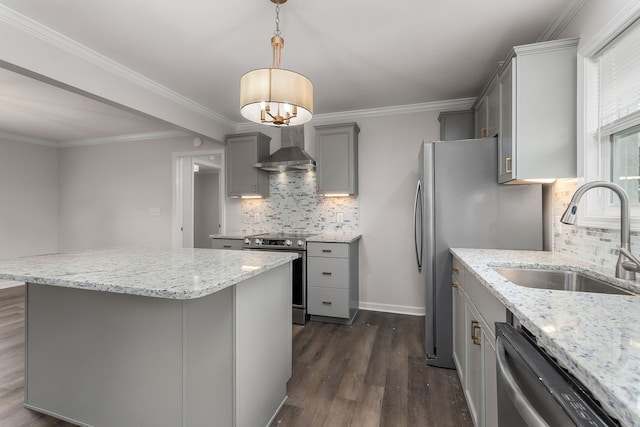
(606,222)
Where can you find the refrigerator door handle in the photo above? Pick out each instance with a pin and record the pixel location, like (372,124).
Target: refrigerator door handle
(417,210)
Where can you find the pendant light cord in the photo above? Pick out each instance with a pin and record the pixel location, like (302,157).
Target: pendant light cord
(277,31)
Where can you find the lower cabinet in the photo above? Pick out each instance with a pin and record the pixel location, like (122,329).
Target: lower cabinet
(332,281)
(475,311)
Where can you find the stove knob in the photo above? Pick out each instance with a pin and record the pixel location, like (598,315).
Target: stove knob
(247,240)
(258,242)
(300,243)
(287,242)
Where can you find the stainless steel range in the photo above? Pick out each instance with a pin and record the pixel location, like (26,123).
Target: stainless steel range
(290,242)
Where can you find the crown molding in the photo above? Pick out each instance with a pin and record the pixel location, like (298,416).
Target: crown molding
(67,44)
(623,20)
(8,136)
(448,105)
(560,21)
(146,136)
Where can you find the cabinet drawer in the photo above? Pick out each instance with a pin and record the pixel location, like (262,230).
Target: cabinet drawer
(226,243)
(329,302)
(328,272)
(458,272)
(330,250)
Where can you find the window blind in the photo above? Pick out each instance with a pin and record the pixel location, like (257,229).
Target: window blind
(619,82)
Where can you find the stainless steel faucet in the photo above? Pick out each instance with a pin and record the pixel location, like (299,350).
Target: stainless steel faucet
(627,264)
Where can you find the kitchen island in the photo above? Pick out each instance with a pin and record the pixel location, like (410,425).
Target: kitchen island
(152,337)
(594,336)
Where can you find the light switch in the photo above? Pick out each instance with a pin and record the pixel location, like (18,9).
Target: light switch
(340,217)
(256,217)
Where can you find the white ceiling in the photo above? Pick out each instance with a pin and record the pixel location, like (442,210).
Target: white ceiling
(359,55)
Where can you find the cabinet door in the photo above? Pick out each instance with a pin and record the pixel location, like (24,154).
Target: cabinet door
(337,158)
(506,137)
(493,109)
(481,118)
(244,151)
(473,384)
(490,383)
(459,337)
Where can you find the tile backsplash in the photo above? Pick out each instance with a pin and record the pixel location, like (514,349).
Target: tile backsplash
(293,206)
(596,245)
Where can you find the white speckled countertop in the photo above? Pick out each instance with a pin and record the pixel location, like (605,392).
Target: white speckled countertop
(595,336)
(334,238)
(323,237)
(161,273)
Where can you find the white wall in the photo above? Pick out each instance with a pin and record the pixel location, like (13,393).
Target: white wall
(29,194)
(106,192)
(206,208)
(592,17)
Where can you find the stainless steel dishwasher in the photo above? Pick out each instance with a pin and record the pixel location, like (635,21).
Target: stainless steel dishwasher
(533,390)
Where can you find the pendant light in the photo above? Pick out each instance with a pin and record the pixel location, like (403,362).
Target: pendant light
(274,96)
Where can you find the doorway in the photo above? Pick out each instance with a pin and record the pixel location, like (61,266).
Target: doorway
(198,198)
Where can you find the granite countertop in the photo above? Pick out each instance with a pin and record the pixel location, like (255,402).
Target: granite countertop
(161,273)
(594,336)
(334,238)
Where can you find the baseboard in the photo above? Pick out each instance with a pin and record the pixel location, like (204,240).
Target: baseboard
(390,308)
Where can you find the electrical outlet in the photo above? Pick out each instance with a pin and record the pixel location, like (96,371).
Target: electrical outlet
(340,217)
(256,217)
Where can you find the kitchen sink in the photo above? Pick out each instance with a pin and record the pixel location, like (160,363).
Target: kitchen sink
(559,280)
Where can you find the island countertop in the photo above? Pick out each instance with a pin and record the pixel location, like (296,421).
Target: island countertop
(594,336)
(160,273)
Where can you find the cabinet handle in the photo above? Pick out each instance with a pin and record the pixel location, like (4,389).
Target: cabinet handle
(456,270)
(226,246)
(455,285)
(483,132)
(327,302)
(326,273)
(326,251)
(507,167)
(475,325)
(254,188)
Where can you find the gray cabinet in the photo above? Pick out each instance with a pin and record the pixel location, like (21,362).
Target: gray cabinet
(332,281)
(225,243)
(337,158)
(475,312)
(243,151)
(487,108)
(537,138)
(455,125)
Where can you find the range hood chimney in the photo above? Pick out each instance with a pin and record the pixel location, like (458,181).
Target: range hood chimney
(291,155)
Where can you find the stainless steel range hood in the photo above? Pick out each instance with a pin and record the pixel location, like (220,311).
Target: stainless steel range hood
(291,155)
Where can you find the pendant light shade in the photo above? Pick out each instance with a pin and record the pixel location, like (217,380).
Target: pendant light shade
(282,91)
(274,96)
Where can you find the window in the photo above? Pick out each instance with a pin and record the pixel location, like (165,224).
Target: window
(611,125)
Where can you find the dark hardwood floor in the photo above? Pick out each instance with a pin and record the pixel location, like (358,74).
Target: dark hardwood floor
(369,374)
(372,373)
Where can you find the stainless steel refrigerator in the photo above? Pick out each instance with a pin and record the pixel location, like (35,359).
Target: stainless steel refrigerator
(459,203)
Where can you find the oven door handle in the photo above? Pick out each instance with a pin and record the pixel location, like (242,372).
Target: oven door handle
(518,398)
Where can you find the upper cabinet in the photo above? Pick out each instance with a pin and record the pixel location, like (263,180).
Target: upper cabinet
(455,125)
(243,151)
(487,108)
(337,159)
(537,138)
